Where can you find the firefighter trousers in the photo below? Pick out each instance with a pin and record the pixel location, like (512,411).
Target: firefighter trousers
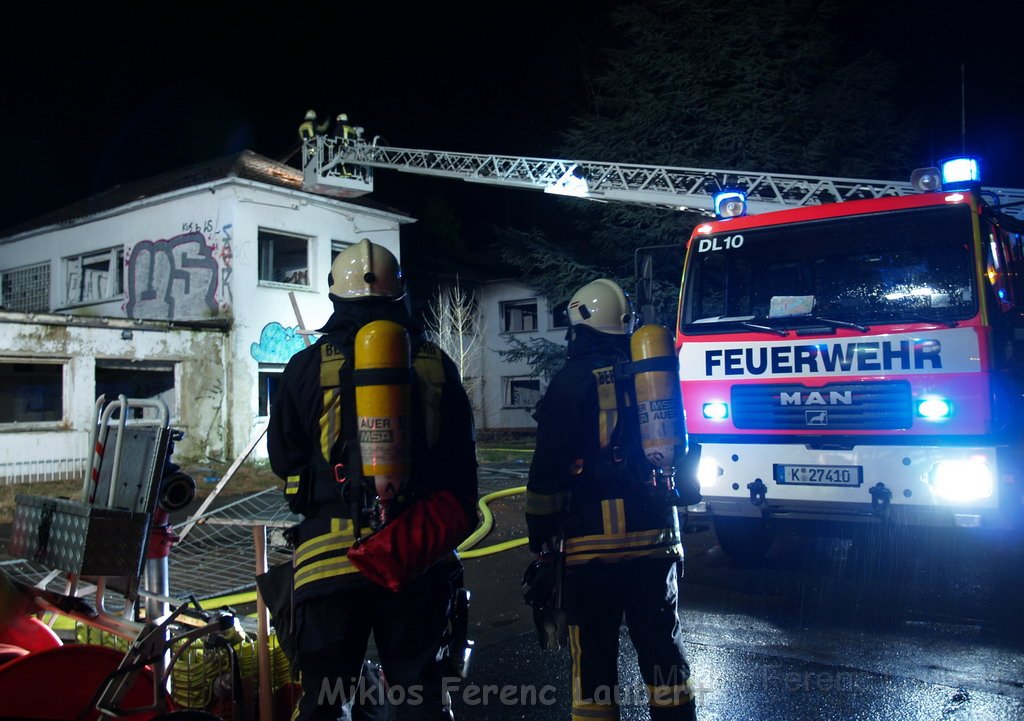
(408,627)
(644,593)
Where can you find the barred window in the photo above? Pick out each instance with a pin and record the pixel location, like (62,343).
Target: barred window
(26,290)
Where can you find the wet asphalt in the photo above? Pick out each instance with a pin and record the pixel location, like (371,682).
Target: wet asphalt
(822,629)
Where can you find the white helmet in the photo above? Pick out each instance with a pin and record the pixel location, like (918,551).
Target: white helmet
(366,270)
(310,115)
(342,118)
(603,306)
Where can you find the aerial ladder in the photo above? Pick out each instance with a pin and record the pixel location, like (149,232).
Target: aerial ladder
(344,168)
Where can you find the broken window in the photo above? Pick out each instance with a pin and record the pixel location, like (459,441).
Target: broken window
(268,377)
(94,277)
(519,316)
(31,392)
(136,379)
(26,290)
(521,392)
(283,258)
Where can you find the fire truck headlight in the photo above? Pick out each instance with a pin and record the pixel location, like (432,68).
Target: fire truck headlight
(715,410)
(962,481)
(708,472)
(934,409)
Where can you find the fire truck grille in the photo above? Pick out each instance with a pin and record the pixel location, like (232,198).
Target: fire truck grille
(884,405)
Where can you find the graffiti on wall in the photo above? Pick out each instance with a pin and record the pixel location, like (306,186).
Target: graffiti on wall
(226,257)
(277,344)
(173,279)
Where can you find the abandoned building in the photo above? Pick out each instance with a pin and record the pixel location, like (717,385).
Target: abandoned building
(190,287)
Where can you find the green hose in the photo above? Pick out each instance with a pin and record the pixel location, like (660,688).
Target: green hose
(487,524)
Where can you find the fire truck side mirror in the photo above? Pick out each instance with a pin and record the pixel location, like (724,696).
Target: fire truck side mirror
(645,287)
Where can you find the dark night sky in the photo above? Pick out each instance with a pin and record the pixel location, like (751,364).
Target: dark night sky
(96,99)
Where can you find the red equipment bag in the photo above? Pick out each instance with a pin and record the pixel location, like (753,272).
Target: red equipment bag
(408,545)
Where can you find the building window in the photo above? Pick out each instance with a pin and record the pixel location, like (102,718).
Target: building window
(31,392)
(521,392)
(560,315)
(519,316)
(95,277)
(268,379)
(283,258)
(138,379)
(26,290)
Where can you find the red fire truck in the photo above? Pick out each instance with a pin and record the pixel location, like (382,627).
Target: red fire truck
(857,362)
(851,351)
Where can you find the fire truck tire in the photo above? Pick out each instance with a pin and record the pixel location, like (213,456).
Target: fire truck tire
(744,540)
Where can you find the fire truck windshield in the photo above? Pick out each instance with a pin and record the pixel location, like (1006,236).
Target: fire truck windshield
(908,265)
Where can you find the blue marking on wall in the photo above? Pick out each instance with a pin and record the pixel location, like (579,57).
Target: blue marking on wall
(277,344)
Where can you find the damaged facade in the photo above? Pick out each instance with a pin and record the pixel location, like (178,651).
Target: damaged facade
(179,287)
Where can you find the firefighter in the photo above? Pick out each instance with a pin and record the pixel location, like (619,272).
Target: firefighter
(402,584)
(589,507)
(309,128)
(345,132)
(342,128)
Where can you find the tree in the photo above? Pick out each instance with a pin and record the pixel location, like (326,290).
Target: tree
(455,324)
(542,355)
(700,84)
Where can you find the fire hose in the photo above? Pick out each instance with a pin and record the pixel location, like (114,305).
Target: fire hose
(485,528)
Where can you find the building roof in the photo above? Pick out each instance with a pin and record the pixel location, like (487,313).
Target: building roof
(247,165)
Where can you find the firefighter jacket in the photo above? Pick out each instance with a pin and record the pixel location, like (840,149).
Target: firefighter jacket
(587,477)
(306,439)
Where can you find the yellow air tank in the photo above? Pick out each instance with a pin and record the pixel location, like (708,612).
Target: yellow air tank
(381,374)
(659,401)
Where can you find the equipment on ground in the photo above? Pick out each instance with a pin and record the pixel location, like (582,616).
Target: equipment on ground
(116,538)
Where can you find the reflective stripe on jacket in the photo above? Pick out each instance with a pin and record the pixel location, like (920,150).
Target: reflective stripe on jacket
(320,554)
(307,423)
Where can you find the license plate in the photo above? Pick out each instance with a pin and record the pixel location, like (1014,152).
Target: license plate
(818,475)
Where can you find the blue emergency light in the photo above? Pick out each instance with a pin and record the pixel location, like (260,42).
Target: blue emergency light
(730,203)
(959,173)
